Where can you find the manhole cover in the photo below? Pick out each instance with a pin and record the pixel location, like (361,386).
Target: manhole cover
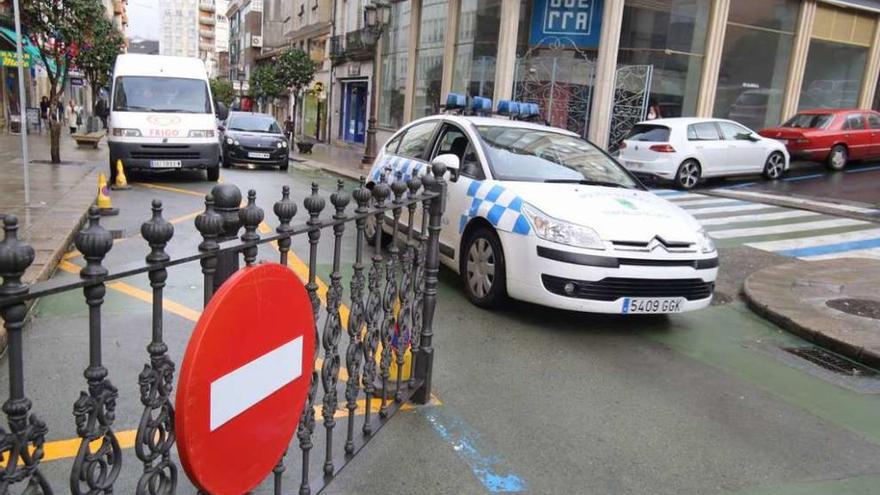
(866,308)
(831,361)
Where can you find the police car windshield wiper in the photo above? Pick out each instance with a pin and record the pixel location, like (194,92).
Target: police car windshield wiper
(585,182)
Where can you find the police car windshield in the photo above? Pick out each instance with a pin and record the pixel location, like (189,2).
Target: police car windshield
(542,156)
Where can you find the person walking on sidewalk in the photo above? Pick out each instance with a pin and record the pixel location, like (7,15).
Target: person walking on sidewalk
(72,116)
(44,112)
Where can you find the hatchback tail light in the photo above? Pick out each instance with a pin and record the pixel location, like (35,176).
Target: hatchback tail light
(662,148)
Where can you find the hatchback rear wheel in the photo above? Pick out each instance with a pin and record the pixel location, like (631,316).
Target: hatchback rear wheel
(688,174)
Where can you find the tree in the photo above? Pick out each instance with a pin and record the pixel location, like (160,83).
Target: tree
(286,74)
(58,28)
(98,54)
(223,91)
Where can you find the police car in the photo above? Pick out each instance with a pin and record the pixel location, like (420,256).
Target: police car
(538,214)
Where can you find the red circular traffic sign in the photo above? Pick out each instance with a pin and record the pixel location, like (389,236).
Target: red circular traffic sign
(244,379)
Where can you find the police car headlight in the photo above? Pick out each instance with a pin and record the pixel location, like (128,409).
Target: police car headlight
(704,242)
(555,230)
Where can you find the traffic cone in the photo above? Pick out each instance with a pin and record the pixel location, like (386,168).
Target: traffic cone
(121,182)
(105,206)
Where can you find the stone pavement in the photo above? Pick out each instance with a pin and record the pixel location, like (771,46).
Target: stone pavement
(833,303)
(59,194)
(334,159)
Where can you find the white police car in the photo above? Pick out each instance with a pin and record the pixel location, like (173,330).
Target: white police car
(538,214)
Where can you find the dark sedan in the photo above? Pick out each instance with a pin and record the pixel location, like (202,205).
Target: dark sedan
(253,138)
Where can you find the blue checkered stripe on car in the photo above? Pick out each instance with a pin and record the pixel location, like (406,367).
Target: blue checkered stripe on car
(406,166)
(500,206)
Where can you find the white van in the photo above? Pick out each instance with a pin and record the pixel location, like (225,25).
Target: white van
(162,115)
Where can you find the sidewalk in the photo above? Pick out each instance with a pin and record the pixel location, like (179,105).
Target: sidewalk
(339,161)
(59,194)
(833,303)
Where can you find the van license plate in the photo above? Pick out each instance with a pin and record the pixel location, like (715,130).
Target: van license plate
(652,305)
(264,156)
(165,164)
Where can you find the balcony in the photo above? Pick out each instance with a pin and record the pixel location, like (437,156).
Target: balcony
(207,21)
(355,45)
(207,6)
(206,47)
(206,33)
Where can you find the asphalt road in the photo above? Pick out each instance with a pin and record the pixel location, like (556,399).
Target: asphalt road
(859,182)
(528,399)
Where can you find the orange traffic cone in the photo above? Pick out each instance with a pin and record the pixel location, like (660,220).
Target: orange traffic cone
(105,205)
(121,182)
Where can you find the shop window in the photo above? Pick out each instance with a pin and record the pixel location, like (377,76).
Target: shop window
(476,47)
(833,75)
(750,89)
(670,36)
(395,47)
(429,58)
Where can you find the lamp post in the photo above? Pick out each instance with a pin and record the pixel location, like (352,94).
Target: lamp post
(377,17)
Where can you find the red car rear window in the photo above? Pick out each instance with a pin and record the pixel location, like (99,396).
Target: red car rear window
(810,121)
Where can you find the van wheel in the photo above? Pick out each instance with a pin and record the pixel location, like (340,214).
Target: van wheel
(483,270)
(838,157)
(688,175)
(213,174)
(774,166)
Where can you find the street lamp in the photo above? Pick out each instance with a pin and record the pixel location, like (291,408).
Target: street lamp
(376,17)
(241,76)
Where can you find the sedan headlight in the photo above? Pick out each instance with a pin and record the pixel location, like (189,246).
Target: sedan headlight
(231,142)
(202,133)
(118,131)
(555,230)
(279,144)
(704,242)
(284,144)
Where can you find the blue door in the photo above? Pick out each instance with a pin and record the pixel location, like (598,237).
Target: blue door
(354,116)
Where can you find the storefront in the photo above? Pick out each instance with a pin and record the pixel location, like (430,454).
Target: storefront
(596,66)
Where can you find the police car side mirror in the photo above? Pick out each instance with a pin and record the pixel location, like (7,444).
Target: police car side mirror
(452,164)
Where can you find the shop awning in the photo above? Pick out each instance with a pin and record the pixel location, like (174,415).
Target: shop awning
(26,46)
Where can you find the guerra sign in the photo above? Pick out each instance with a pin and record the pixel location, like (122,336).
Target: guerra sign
(572,22)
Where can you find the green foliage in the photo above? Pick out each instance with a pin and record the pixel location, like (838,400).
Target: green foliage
(98,53)
(289,72)
(223,91)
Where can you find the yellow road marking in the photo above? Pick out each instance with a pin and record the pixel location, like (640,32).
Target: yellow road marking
(171,189)
(66,449)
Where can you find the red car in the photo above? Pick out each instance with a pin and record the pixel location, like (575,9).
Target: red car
(831,136)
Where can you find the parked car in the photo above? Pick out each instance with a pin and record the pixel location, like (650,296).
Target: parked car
(253,138)
(686,150)
(538,214)
(831,136)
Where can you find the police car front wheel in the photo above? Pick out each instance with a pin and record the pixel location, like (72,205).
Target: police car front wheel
(482,269)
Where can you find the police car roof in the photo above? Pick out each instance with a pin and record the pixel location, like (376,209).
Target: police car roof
(500,122)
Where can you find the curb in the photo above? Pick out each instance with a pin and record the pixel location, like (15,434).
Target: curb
(859,354)
(798,205)
(331,169)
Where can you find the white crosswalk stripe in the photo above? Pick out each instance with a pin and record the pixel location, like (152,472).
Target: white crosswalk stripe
(805,234)
(782,229)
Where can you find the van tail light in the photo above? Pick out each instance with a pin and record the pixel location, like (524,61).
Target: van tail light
(621,145)
(662,148)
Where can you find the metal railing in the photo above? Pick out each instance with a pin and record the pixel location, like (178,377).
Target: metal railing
(392,303)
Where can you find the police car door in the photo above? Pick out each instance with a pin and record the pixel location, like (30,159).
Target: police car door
(454,140)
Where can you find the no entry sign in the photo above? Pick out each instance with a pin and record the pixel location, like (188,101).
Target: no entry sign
(244,379)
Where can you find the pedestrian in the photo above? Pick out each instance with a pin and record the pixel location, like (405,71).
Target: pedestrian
(44,112)
(288,128)
(101,111)
(72,116)
(654,110)
(59,111)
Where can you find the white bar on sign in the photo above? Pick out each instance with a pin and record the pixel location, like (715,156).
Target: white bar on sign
(239,390)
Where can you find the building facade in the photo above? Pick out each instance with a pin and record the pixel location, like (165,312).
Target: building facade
(594,66)
(245,43)
(180,28)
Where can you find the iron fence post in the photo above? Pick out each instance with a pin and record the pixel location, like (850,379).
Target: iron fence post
(250,217)
(227,199)
(22,446)
(425,359)
(285,210)
(156,434)
(95,471)
(209,224)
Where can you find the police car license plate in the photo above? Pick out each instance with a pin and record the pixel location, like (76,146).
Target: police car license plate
(650,305)
(259,155)
(165,164)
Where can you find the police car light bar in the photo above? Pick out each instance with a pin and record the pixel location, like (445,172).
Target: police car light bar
(508,108)
(455,101)
(481,106)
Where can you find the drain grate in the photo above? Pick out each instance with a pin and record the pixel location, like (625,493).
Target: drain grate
(831,361)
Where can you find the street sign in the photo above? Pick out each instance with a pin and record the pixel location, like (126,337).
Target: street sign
(569,22)
(244,379)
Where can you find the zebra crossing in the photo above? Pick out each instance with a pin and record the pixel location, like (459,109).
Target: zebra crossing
(785,231)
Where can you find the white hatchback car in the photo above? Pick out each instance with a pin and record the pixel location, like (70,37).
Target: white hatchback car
(541,215)
(686,150)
